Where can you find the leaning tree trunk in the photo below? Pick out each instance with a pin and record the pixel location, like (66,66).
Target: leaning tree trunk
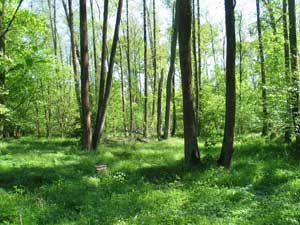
(2,72)
(171,74)
(263,72)
(192,154)
(294,64)
(227,148)
(87,130)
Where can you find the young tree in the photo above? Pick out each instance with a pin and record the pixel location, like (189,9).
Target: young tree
(228,140)
(171,72)
(145,130)
(263,71)
(294,64)
(192,154)
(84,50)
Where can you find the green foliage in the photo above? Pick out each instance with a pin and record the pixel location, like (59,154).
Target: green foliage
(52,182)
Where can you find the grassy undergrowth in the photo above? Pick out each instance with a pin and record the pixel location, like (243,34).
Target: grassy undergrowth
(52,182)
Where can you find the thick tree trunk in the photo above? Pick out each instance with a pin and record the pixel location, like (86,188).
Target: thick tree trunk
(294,64)
(102,109)
(263,72)
(192,155)
(159,105)
(145,125)
(227,148)
(171,73)
(87,130)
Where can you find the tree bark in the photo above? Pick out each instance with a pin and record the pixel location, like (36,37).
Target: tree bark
(192,154)
(228,140)
(123,92)
(85,97)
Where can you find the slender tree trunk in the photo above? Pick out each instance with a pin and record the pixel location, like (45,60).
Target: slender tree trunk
(159,105)
(102,109)
(84,50)
(192,154)
(2,71)
(171,73)
(95,55)
(294,66)
(196,75)
(129,68)
(240,70)
(174,125)
(74,50)
(263,72)
(287,70)
(227,148)
(123,92)
(103,56)
(199,67)
(145,127)
(154,57)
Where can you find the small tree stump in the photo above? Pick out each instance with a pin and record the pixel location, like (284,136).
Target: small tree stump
(101,168)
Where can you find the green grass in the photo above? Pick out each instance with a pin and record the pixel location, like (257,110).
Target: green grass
(53,182)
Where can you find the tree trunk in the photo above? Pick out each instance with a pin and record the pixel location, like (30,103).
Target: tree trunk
(102,109)
(199,67)
(95,55)
(154,57)
(145,127)
(123,92)
(196,76)
(294,66)
(87,130)
(159,105)
(171,73)
(227,148)
(192,154)
(2,72)
(287,70)
(174,117)
(129,69)
(75,60)
(263,72)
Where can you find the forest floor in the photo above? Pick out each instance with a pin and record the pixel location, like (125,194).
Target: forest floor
(53,182)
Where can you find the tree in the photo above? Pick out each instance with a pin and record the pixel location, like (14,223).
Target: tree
(159,105)
(85,97)
(145,130)
(228,140)
(102,107)
(171,72)
(263,71)
(192,154)
(294,64)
